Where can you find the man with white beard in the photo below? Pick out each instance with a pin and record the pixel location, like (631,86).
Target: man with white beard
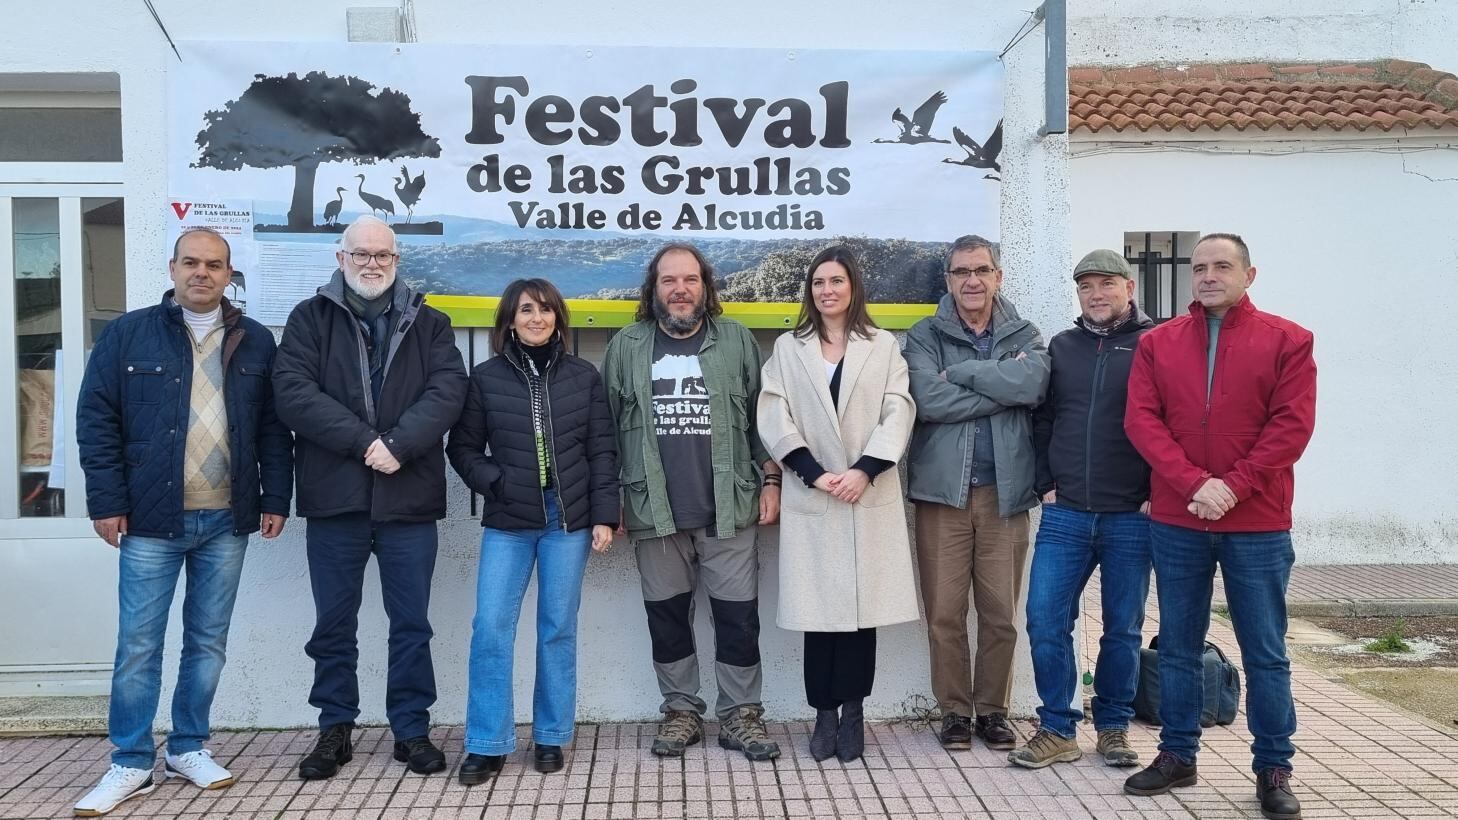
(369,379)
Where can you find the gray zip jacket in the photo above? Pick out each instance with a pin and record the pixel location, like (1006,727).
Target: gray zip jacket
(1002,390)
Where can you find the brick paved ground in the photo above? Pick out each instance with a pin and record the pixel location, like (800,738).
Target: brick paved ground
(1377,582)
(1357,758)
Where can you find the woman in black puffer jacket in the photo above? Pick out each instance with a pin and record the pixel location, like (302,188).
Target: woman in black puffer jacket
(550,486)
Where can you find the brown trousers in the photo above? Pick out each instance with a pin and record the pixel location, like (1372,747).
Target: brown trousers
(973,550)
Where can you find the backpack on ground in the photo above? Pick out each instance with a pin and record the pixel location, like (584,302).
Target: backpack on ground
(1221,684)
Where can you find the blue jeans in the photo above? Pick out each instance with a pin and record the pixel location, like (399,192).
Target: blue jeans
(1256,567)
(507,557)
(1069,545)
(339,547)
(147,580)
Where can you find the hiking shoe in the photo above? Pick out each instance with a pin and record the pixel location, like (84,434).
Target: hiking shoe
(199,768)
(744,731)
(118,784)
(956,731)
(1167,772)
(995,732)
(334,749)
(678,731)
(1273,789)
(420,755)
(1044,749)
(1114,746)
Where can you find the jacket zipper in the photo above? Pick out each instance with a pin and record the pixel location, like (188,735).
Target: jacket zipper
(550,435)
(1093,392)
(1210,392)
(551,447)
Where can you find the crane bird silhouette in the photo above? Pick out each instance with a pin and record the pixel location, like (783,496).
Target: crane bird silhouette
(331,211)
(408,190)
(917,129)
(376,202)
(980,156)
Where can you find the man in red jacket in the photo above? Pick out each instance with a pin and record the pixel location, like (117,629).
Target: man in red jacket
(1222,403)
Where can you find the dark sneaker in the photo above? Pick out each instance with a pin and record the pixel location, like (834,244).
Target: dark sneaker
(420,755)
(1167,772)
(1045,749)
(1273,789)
(548,759)
(1114,746)
(744,731)
(477,769)
(678,731)
(956,731)
(995,732)
(334,749)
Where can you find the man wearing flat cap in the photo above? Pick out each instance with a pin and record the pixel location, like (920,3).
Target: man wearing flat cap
(1095,491)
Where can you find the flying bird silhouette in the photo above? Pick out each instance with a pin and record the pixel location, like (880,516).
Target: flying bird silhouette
(917,129)
(331,211)
(408,190)
(376,202)
(980,156)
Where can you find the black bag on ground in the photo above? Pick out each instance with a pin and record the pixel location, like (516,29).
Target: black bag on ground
(1222,687)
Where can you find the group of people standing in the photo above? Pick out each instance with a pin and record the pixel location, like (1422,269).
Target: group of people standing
(195,431)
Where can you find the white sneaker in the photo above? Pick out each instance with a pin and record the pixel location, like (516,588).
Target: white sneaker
(200,769)
(118,784)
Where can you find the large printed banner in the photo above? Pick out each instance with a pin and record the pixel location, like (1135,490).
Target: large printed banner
(576,164)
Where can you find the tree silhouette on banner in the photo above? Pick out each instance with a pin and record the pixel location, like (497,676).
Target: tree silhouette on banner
(303,122)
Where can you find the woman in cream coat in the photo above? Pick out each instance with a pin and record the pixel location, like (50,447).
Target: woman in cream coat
(834,409)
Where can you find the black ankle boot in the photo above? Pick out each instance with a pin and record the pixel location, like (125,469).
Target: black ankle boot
(822,741)
(477,769)
(850,741)
(1273,789)
(548,759)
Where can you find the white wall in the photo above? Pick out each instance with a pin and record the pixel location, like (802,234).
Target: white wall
(1360,248)
(1128,32)
(268,677)
(1355,244)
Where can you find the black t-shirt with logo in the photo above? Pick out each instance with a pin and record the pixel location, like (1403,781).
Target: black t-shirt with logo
(681,423)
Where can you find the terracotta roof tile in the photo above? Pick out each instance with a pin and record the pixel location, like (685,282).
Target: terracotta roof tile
(1239,96)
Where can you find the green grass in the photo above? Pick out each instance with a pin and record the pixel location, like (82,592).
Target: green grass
(1391,641)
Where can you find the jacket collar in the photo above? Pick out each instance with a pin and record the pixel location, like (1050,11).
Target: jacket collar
(1005,319)
(230,314)
(1239,312)
(857,353)
(1139,321)
(333,290)
(644,330)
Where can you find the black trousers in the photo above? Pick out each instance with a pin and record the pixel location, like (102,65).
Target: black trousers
(839,666)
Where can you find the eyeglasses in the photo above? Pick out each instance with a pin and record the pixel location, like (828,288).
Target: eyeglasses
(961,274)
(383,258)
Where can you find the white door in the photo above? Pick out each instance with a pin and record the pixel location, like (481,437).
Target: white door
(62,278)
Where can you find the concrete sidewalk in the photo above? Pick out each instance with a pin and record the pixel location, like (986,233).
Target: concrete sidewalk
(1357,757)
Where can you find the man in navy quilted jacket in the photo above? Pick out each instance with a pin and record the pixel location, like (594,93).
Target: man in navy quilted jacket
(184,459)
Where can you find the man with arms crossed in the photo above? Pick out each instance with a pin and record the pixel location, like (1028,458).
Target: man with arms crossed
(977,370)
